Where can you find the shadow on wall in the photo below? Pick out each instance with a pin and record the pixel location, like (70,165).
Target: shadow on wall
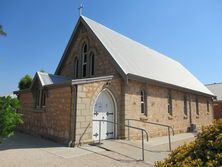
(80,139)
(24,141)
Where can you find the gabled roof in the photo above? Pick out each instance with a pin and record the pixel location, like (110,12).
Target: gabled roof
(136,59)
(48,79)
(216,88)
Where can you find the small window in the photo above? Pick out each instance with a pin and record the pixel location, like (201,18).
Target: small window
(43,98)
(208,106)
(190,107)
(84,60)
(197,106)
(142,101)
(76,68)
(185,105)
(92,64)
(37,98)
(170,108)
(85,48)
(40,98)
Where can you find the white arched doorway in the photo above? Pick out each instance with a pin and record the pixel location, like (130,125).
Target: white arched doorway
(104,109)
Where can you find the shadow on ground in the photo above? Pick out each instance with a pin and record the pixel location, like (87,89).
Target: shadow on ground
(24,141)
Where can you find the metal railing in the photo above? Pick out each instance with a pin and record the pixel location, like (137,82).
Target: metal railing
(115,123)
(153,123)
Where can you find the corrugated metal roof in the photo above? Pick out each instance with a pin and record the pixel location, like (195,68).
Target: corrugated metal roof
(216,88)
(137,59)
(49,79)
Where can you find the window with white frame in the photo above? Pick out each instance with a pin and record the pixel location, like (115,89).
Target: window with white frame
(142,102)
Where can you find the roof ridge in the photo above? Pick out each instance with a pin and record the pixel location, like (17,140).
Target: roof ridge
(139,54)
(134,41)
(132,57)
(215,83)
(42,72)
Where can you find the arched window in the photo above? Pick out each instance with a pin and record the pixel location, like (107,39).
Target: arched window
(92,64)
(76,68)
(142,102)
(84,59)
(197,106)
(170,107)
(40,98)
(185,105)
(208,106)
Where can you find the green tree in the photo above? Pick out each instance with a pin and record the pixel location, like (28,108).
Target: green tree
(1,31)
(25,82)
(9,118)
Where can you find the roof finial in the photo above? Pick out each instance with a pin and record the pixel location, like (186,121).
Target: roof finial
(80,9)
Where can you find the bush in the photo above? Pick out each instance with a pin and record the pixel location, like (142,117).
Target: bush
(206,150)
(9,118)
(25,82)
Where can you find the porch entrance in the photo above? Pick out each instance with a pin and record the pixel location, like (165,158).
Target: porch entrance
(104,109)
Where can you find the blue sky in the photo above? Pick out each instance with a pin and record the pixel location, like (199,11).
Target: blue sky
(38,30)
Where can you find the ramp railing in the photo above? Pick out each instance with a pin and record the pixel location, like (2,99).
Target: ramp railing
(153,123)
(143,131)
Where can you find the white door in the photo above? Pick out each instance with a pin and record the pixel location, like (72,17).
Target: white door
(103,110)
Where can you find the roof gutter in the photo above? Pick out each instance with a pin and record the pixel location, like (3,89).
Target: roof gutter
(21,91)
(70,82)
(66,83)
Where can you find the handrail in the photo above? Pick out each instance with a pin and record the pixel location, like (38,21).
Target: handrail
(154,123)
(158,124)
(115,123)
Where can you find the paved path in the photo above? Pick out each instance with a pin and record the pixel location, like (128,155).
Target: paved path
(23,150)
(156,149)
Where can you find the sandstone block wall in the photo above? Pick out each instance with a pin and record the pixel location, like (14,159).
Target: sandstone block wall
(55,121)
(103,65)
(157,109)
(86,98)
(51,122)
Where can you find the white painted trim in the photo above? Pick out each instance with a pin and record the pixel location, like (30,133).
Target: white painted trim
(89,80)
(115,108)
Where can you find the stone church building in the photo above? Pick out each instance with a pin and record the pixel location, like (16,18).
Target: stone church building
(104,75)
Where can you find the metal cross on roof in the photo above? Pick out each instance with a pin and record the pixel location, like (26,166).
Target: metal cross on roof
(80,9)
